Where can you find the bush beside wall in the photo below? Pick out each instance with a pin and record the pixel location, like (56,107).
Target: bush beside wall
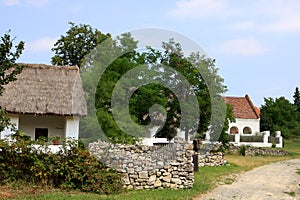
(71,168)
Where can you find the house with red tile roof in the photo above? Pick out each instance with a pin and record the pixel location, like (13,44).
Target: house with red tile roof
(246,114)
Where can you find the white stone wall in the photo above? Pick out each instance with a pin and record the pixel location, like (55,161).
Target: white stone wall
(254,124)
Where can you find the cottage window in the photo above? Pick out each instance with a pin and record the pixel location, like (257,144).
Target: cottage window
(247,130)
(41,133)
(234,130)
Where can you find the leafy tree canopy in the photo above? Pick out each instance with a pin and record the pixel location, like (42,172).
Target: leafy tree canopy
(280,114)
(143,98)
(297,99)
(8,68)
(76,44)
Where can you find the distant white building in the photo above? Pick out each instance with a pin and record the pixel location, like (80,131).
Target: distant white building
(45,101)
(246,129)
(152,140)
(247,116)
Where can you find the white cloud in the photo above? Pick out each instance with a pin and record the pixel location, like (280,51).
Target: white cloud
(245,47)
(288,25)
(278,16)
(10,2)
(245,25)
(258,15)
(34,3)
(198,8)
(76,9)
(37,3)
(283,25)
(42,44)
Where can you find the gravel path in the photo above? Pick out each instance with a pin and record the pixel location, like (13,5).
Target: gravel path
(273,181)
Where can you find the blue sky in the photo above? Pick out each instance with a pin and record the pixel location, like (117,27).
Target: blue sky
(255,43)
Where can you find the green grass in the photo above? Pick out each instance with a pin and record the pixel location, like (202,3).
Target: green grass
(61,196)
(205,180)
(293,146)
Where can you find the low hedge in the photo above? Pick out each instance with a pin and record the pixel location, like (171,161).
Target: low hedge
(71,168)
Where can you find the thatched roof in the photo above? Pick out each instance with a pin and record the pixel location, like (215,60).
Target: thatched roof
(44,89)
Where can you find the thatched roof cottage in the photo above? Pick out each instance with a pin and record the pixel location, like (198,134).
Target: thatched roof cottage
(45,101)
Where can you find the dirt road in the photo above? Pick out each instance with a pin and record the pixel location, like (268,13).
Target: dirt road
(273,181)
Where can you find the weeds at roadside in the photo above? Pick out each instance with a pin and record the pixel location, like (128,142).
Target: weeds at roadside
(291,193)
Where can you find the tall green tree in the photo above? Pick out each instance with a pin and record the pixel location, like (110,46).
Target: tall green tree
(79,40)
(144,97)
(8,68)
(99,92)
(78,47)
(297,99)
(124,45)
(280,114)
(199,72)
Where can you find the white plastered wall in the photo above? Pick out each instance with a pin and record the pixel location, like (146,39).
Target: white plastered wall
(254,124)
(55,124)
(72,127)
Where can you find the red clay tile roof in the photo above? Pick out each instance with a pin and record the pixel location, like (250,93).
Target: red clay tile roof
(243,107)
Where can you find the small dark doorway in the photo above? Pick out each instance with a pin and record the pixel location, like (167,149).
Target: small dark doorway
(41,133)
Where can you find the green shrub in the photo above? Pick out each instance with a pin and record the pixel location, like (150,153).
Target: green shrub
(243,150)
(71,168)
(273,145)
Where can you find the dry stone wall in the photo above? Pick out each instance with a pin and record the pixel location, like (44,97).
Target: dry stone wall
(258,151)
(212,159)
(209,154)
(145,167)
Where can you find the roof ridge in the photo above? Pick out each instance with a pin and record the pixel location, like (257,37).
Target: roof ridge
(233,97)
(252,105)
(37,65)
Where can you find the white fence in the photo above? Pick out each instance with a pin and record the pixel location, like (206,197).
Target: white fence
(263,139)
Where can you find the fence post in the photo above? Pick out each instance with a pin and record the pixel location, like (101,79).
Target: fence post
(237,138)
(207,136)
(266,135)
(196,162)
(278,135)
